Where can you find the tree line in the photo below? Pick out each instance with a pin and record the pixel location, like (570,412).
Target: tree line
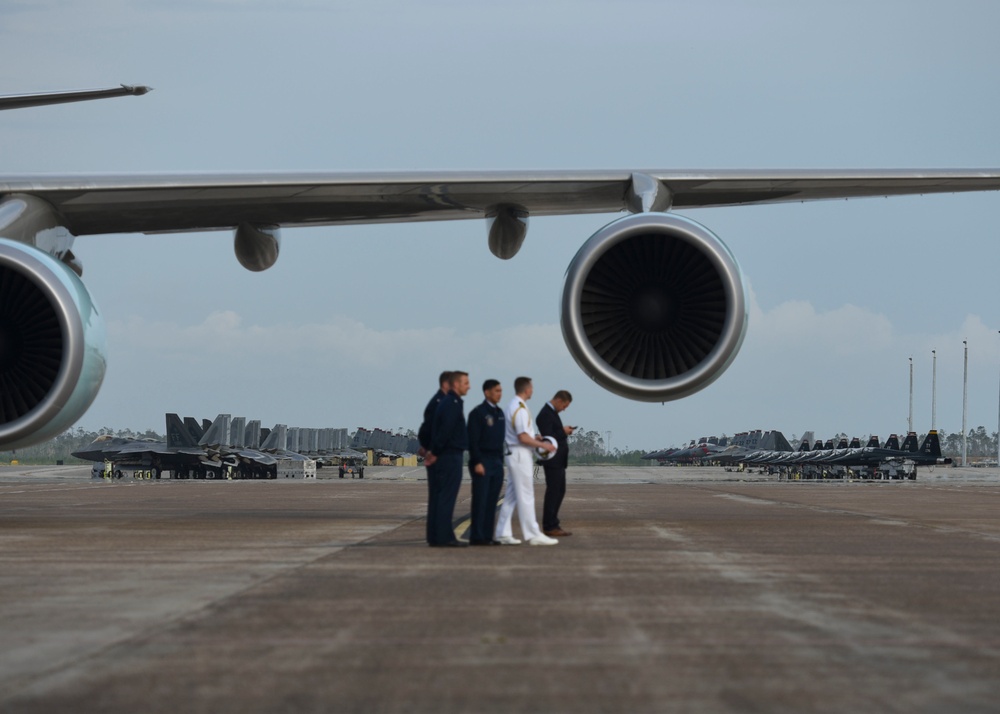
(62,447)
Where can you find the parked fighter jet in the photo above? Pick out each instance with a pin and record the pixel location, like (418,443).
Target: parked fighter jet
(191,451)
(928,453)
(705,448)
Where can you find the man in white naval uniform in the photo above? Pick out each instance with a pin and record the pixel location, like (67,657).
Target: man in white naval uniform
(522,440)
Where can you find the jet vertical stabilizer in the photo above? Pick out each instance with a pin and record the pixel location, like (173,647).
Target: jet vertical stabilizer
(218,433)
(237,429)
(931,448)
(251,437)
(195,429)
(178,433)
(276,439)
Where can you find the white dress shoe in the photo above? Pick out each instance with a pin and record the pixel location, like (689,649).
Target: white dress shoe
(509,540)
(542,539)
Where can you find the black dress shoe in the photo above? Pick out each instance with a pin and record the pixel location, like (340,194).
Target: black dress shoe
(480,542)
(452,544)
(494,542)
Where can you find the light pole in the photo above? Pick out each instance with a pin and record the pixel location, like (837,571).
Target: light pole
(909,427)
(965,406)
(934,389)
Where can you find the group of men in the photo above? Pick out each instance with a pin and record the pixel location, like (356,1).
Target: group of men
(492,435)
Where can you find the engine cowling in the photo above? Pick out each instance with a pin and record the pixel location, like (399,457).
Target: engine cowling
(654,307)
(52,346)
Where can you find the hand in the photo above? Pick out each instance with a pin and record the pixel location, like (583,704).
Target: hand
(548,446)
(568,430)
(479,470)
(429,459)
(421,452)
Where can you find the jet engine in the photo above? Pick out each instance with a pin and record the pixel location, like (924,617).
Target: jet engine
(52,346)
(654,307)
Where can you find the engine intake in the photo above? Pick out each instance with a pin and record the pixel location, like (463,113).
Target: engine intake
(51,346)
(654,307)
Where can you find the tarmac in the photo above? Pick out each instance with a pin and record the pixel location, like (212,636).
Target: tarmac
(688,590)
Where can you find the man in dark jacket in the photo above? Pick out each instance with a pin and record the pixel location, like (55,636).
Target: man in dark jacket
(486,440)
(424,437)
(550,424)
(449,440)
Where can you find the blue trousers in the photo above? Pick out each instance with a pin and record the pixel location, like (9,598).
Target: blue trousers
(444,479)
(485,493)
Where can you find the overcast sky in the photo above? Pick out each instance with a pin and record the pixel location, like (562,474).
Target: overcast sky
(352,325)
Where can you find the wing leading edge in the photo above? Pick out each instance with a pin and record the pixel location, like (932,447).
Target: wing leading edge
(189,202)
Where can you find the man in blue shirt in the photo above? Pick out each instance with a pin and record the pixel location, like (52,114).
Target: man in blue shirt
(486,440)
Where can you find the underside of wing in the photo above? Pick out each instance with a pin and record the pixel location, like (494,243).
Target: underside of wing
(156,203)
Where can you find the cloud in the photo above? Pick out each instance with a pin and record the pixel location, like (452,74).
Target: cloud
(798,325)
(342,341)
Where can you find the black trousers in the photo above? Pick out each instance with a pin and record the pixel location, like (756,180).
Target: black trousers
(444,479)
(485,493)
(555,490)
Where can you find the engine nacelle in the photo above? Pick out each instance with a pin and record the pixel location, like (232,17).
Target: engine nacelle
(654,307)
(52,346)
(256,247)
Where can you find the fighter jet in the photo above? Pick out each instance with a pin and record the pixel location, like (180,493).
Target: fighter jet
(189,452)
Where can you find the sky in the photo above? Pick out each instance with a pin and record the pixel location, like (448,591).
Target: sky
(352,325)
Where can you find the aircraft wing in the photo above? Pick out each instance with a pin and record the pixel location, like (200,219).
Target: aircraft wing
(37,99)
(618,317)
(167,203)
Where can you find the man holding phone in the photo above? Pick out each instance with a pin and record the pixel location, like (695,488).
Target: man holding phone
(550,424)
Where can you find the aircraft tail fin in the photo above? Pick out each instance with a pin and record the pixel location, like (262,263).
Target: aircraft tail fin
(774,441)
(932,445)
(872,442)
(276,439)
(178,434)
(251,438)
(218,433)
(892,442)
(195,429)
(910,442)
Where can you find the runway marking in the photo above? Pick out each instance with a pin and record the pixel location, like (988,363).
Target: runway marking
(670,535)
(462,524)
(879,519)
(749,499)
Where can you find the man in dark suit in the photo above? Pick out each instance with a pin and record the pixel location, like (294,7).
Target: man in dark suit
(449,440)
(424,437)
(486,440)
(550,424)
